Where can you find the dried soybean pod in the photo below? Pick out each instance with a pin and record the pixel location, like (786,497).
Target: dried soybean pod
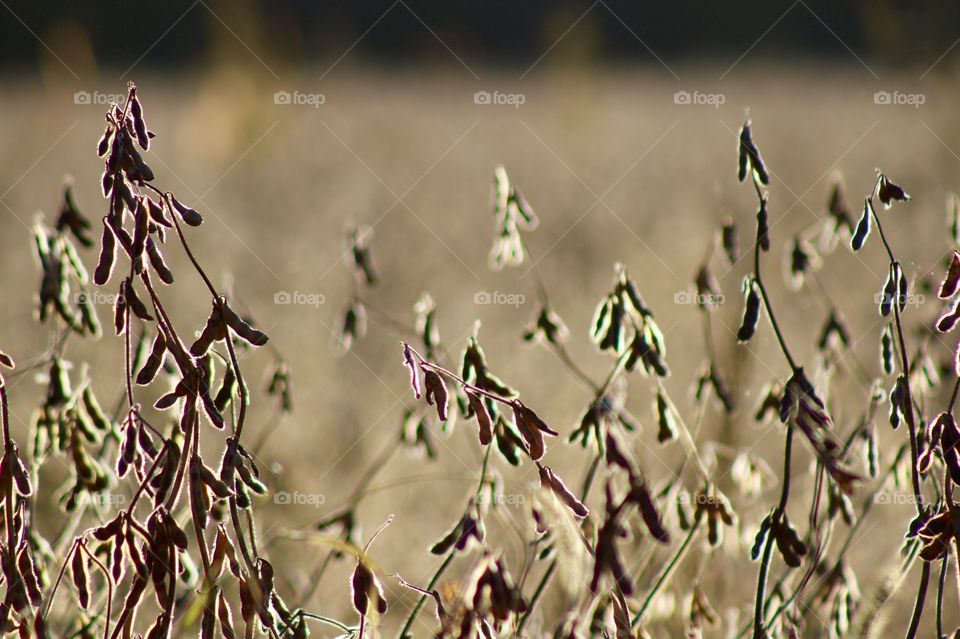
(550,481)
(946,321)
(225,616)
(763,225)
(227,389)
(951,280)
(141,228)
(156,261)
(139,126)
(109,529)
(863,226)
(154,361)
(21,475)
(246,332)
(30,576)
(120,309)
(136,304)
(667,431)
(414,372)
(749,157)
(887,295)
(213,330)
(640,495)
(886,349)
(483,418)
(888,192)
(901,288)
(188,215)
(436,392)
(104,144)
(78,570)
(108,255)
(157,214)
(751,313)
(730,241)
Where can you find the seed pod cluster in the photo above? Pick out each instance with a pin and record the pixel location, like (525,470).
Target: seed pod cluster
(64,282)
(469,530)
(512,213)
(711,378)
(801,259)
(547,327)
(623,323)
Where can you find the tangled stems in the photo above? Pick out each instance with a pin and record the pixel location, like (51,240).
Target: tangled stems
(667,570)
(905,367)
(449,558)
(758,623)
(895,267)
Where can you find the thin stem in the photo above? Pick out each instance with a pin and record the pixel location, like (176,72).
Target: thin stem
(918,604)
(423,598)
(666,573)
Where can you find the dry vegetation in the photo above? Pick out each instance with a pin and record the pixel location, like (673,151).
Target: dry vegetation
(685,409)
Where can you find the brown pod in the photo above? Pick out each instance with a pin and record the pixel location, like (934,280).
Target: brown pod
(154,361)
(863,226)
(529,432)
(158,213)
(409,362)
(120,310)
(225,616)
(104,144)
(951,280)
(188,215)
(30,576)
(242,328)
(139,126)
(550,481)
(141,221)
(483,418)
(109,530)
(436,392)
(666,430)
(156,261)
(136,305)
(78,571)
(108,255)
(21,475)
(215,329)
(641,496)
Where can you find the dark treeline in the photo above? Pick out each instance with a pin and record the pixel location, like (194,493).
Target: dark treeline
(513,32)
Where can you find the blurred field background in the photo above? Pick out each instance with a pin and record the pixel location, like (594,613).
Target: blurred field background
(616,169)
